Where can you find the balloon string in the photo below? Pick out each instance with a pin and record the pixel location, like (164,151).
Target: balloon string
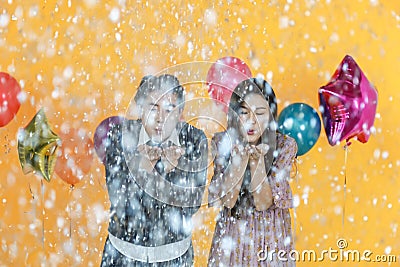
(42,185)
(346,149)
(30,190)
(296,172)
(70,213)
(296,160)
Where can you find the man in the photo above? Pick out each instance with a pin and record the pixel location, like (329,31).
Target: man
(155,174)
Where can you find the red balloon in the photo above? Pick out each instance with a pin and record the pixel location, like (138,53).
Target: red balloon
(348,104)
(76,156)
(223,76)
(9,103)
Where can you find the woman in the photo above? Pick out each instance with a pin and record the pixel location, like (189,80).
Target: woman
(250,181)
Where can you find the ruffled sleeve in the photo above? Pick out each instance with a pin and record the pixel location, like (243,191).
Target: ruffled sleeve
(280,173)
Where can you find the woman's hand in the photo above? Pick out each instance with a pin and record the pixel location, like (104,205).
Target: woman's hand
(256,155)
(239,153)
(233,176)
(238,150)
(259,185)
(256,152)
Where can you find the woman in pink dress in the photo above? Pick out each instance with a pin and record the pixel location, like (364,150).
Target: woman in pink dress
(250,182)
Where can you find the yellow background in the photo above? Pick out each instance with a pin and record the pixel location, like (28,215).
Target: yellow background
(82,64)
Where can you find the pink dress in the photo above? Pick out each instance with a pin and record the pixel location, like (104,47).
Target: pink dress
(247,237)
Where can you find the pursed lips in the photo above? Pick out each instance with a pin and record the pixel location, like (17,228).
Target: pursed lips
(158,129)
(250,132)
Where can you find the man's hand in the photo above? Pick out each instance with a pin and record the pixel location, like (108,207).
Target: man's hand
(170,157)
(149,156)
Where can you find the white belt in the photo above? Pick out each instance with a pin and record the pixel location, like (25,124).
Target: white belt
(151,254)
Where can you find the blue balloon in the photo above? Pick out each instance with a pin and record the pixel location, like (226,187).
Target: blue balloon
(301,122)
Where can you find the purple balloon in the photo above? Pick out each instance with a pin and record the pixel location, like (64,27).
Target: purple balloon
(100,135)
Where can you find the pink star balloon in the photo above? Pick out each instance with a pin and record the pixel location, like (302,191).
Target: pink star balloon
(348,104)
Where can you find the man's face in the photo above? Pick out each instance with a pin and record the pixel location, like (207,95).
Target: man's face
(160,115)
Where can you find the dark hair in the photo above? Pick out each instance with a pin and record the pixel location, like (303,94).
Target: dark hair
(166,83)
(247,87)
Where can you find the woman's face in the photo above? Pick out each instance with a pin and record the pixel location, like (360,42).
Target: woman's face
(254,115)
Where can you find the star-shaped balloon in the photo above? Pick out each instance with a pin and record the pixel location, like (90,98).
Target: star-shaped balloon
(37,146)
(348,104)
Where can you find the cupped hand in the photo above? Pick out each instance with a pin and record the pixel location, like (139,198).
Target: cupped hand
(152,153)
(256,152)
(239,150)
(170,157)
(149,156)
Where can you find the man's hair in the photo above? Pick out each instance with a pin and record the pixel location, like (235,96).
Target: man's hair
(165,83)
